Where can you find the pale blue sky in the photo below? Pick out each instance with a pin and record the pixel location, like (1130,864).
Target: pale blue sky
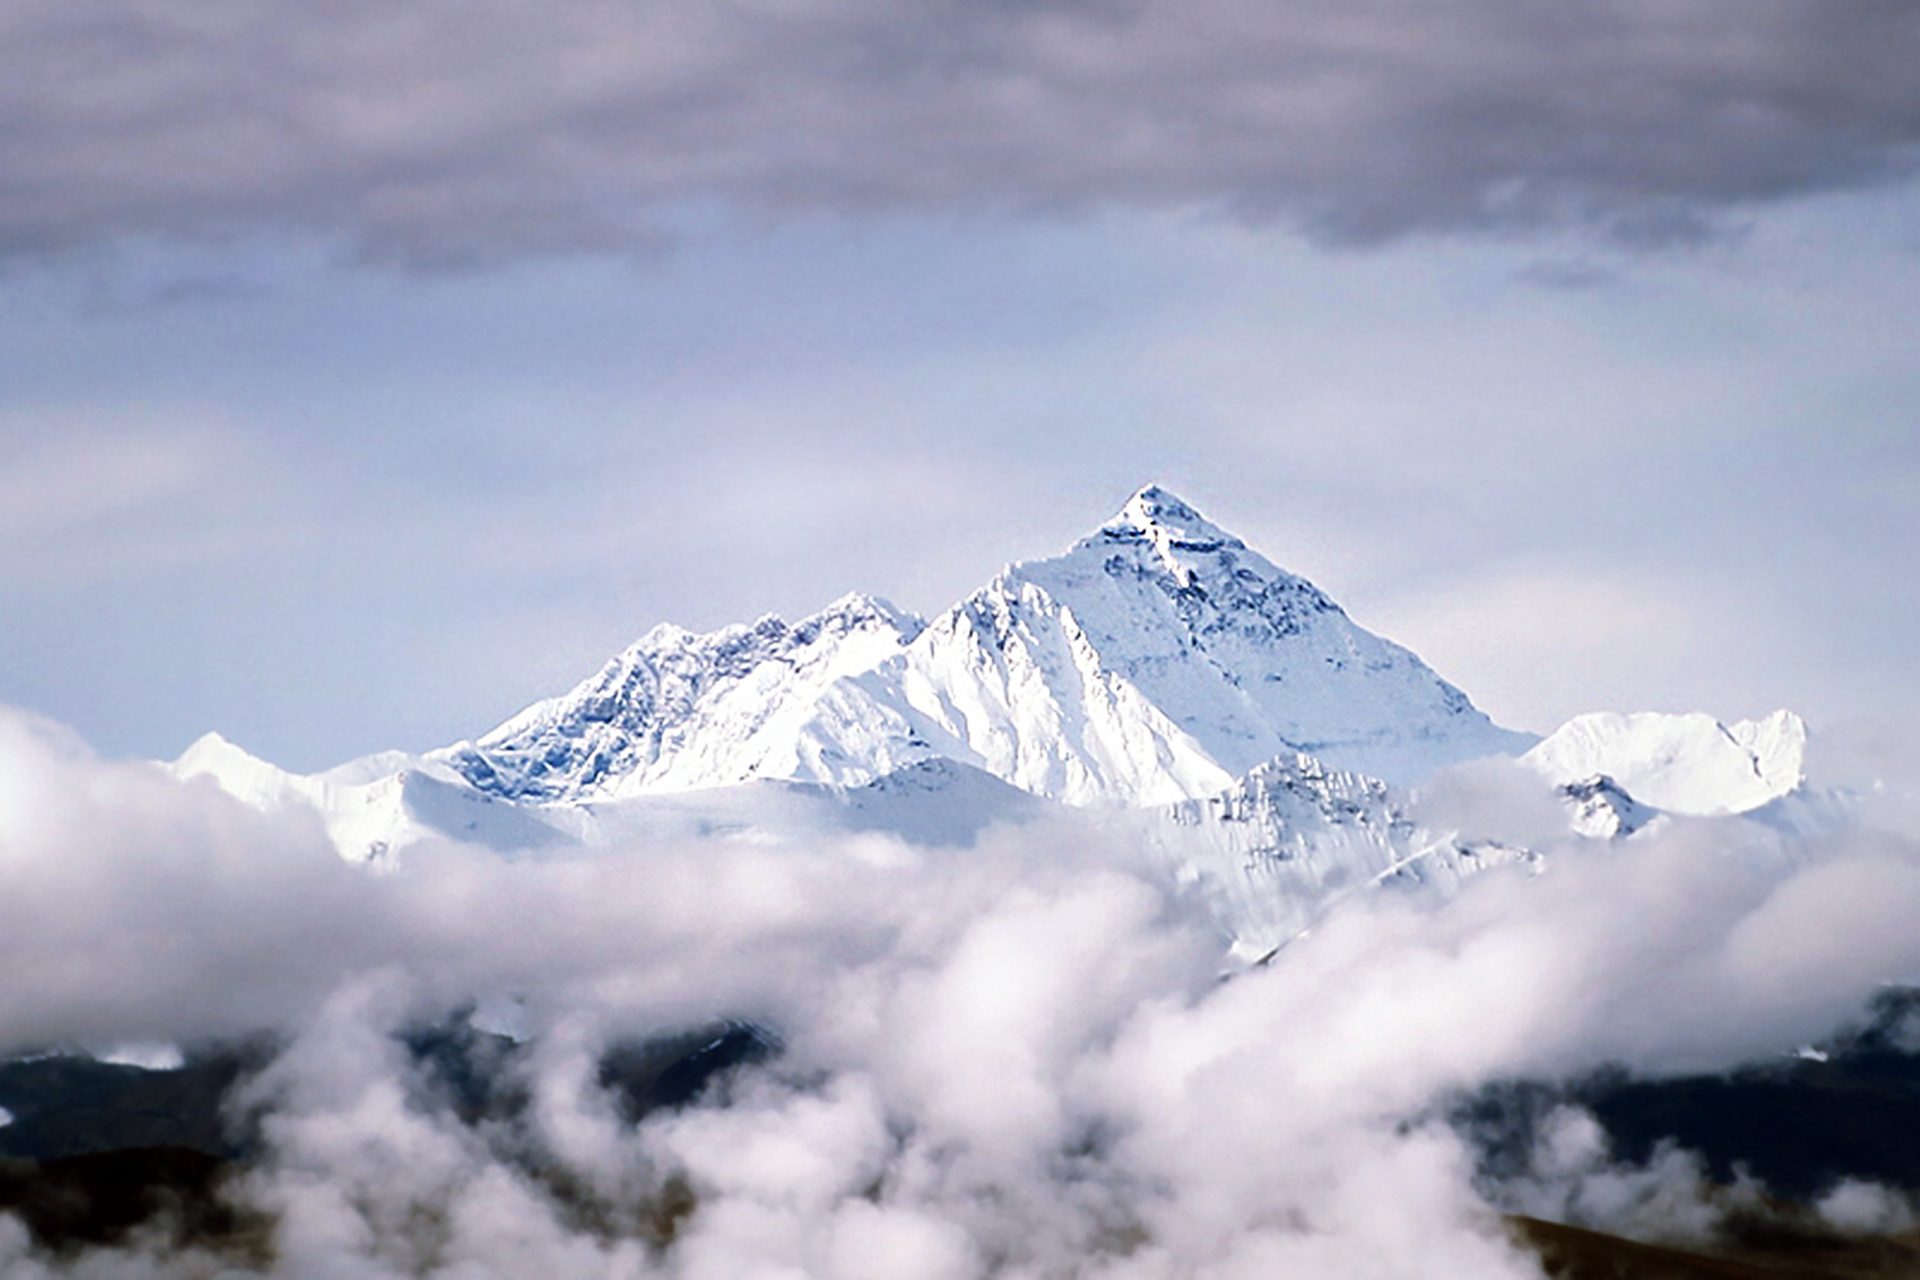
(327,502)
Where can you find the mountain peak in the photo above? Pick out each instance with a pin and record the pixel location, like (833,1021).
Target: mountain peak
(237,771)
(1156,514)
(210,751)
(857,608)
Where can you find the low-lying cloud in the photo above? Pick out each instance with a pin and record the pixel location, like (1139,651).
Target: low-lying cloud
(1014,1060)
(443,133)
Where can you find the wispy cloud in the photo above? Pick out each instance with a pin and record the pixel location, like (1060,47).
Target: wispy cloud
(62,482)
(92,496)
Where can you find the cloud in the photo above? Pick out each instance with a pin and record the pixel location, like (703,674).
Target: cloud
(1015,1060)
(1854,1205)
(460,133)
(93,494)
(68,478)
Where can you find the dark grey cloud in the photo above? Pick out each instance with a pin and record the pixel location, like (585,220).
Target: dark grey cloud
(448,132)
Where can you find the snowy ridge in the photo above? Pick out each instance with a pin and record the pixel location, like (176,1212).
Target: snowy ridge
(1009,681)
(679,710)
(370,808)
(1689,764)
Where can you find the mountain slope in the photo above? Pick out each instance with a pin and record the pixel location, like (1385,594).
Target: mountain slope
(1159,659)
(934,803)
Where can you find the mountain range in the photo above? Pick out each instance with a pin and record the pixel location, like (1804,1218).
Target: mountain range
(1158,673)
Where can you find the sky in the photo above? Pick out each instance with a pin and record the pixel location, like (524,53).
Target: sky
(367,373)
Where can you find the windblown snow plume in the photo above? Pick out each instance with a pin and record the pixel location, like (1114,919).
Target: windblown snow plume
(1029,1057)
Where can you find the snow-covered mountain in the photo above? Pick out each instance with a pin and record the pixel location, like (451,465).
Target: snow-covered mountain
(1158,659)
(1221,710)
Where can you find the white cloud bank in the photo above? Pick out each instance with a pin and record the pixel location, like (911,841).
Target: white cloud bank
(1017,1060)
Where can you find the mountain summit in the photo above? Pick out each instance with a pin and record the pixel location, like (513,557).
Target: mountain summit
(1170,525)
(1157,659)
